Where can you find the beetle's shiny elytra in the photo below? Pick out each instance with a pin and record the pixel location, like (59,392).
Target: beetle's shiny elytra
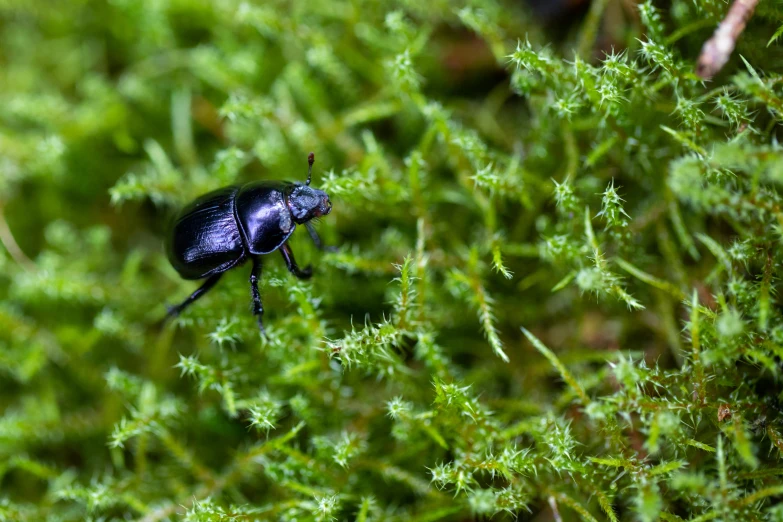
(226,227)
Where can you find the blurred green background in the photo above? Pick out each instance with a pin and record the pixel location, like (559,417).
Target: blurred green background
(494,166)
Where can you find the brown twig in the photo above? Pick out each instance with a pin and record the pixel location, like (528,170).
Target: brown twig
(9,242)
(555,512)
(717,50)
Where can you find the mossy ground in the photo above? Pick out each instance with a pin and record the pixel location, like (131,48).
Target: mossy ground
(555,294)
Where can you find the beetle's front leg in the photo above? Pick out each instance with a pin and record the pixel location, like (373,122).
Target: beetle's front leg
(258,308)
(290,262)
(317,239)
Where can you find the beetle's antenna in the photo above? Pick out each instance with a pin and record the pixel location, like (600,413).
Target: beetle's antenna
(310,161)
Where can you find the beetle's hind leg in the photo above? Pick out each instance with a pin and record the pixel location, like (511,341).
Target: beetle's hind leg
(258,308)
(290,262)
(174,311)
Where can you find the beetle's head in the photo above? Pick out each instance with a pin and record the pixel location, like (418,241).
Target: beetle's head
(305,202)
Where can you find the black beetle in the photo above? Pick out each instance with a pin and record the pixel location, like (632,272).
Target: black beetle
(222,229)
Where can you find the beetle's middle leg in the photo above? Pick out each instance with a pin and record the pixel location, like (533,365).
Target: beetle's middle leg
(290,262)
(258,308)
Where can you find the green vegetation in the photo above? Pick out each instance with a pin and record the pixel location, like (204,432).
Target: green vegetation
(555,295)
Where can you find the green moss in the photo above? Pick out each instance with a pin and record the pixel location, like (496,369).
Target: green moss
(555,292)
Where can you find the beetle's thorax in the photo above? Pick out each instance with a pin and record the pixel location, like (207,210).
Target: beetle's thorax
(263,216)
(306,203)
